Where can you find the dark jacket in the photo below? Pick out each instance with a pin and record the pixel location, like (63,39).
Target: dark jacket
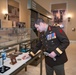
(53,40)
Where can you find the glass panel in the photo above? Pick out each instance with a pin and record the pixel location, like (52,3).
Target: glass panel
(12,36)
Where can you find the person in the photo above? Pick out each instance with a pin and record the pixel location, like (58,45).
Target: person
(55,42)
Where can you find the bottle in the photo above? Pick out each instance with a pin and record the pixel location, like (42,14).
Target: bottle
(3,55)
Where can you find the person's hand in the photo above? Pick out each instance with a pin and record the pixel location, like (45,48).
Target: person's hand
(52,54)
(26,55)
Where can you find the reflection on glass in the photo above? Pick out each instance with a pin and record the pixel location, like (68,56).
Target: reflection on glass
(10,36)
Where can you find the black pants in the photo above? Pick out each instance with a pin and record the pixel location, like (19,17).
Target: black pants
(59,70)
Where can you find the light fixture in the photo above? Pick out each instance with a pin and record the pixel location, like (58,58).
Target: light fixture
(5,13)
(69,17)
(5,16)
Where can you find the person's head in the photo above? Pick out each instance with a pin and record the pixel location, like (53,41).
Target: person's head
(40,25)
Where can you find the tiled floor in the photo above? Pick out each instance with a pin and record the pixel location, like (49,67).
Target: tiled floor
(70,66)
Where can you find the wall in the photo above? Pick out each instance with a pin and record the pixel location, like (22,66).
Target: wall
(3,7)
(72,23)
(71,8)
(44,3)
(25,13)
(13,3)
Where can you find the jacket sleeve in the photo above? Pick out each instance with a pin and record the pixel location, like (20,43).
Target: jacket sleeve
(37,47)
(63,39)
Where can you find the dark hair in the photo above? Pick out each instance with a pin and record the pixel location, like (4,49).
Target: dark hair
(39,20)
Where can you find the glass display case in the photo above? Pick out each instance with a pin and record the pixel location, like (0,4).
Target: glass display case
(13,36)
(10,37)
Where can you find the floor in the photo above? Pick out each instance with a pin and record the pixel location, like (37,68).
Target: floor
(70,66)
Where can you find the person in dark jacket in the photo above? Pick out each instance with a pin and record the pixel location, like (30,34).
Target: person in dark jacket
(55,41)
